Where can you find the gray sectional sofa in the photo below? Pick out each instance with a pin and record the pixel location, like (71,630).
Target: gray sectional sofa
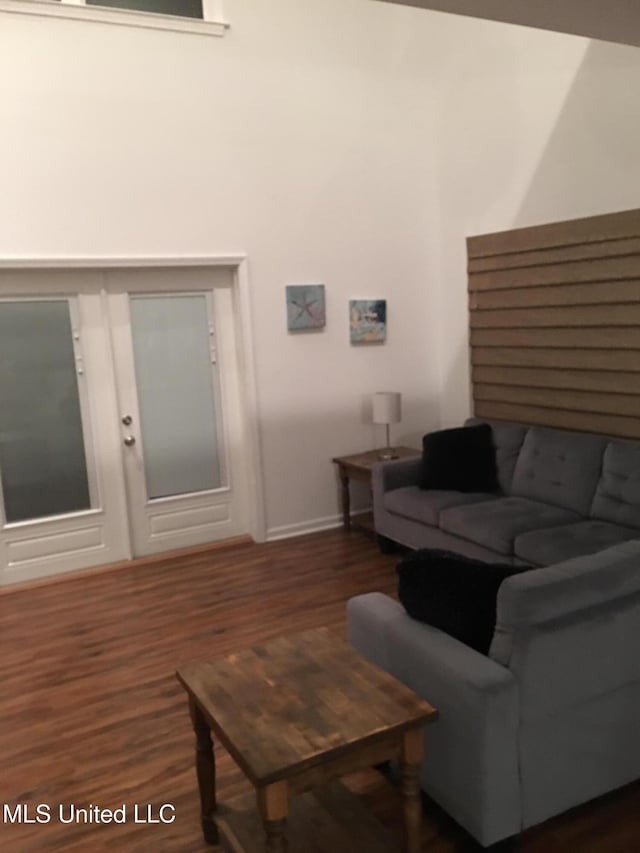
(550,718)
(563,494)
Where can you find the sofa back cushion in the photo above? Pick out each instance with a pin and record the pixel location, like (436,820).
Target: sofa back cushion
(571,631)
(559,467)
(462,459)
(507,440)
(617,495)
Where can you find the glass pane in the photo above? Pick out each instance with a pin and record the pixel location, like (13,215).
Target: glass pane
(175,394)
(42,454)
(182,8)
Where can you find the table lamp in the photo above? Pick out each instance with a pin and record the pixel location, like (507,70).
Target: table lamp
(387,410)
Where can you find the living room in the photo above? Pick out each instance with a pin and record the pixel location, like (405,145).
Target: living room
(354,144)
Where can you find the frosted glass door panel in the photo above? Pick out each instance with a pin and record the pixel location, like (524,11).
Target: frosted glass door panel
(42,453)
(172,357)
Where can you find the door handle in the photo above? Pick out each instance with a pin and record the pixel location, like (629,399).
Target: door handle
(129,440)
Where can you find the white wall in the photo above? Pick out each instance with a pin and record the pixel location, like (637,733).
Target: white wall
(531,127)
(339,141)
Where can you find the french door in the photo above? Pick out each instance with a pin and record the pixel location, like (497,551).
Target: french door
(179,407)
(121,424)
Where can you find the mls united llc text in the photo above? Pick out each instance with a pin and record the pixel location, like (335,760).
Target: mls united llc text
(70,813)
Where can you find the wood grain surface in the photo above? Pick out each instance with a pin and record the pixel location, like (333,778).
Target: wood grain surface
(365,461)
(91,711)
(297,701)
(329,820)
(564,297)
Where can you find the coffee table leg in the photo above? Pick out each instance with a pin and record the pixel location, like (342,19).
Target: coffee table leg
(206,771)
(273,802)
(411,759)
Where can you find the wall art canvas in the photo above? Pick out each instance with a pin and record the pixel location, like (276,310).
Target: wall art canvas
(368,320)
(305,307)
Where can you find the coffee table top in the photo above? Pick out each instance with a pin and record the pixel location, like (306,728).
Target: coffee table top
(297,700)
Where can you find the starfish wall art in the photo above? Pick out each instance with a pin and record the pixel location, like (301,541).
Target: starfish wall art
(305,307)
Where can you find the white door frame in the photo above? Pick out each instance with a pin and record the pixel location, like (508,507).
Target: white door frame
(244,337)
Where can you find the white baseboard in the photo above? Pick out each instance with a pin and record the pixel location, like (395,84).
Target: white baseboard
(329,522)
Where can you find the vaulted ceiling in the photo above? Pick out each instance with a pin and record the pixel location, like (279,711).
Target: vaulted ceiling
(610,20)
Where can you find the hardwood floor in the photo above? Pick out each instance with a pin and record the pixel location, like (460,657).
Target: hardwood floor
(91,712)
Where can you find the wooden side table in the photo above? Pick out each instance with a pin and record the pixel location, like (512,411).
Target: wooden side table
(296,714)
(359,466)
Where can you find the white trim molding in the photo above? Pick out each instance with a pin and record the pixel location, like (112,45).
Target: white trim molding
(100,262)
(314,525)
(211,25)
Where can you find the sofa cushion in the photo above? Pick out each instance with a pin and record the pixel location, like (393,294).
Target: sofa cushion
(425,505)
(497,523)
(461,460)
(617,495)
(507,440)
(554,544)
(453,593)
(560,468)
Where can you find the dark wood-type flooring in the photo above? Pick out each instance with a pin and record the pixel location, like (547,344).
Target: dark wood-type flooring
(91,712)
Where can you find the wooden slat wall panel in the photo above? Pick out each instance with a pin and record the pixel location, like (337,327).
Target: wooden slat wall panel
(604,338)
(573,315)
(598,269)
(588,422)
(608,381)
(589,293)
(558,398)
(594,229)
(555,324)
(562,255)
(560,359)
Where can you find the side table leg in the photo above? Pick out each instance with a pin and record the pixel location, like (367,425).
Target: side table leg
(411,759)
(273,802)
(346,501)
(206,772)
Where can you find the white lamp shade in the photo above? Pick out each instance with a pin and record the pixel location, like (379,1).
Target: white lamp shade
(387,407)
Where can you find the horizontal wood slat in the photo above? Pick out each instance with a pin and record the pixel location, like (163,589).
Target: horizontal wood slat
(596,359)
(607,269)
(613,425)
(555,324)
(592,229)
(588,293)
(607,381)
(605,338)
(557,398)
(560,255)
(560,317)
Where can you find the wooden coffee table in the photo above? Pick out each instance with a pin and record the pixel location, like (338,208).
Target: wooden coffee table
(296,713)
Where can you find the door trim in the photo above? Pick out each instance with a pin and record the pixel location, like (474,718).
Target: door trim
(244,332)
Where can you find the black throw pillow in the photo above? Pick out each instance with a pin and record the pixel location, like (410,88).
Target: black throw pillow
(453,593)
(459,460)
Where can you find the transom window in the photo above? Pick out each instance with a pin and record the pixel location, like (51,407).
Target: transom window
(199,16)
(181,8)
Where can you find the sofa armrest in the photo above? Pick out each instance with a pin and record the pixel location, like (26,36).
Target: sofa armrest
(396,474)
(471,753)
(377,625)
